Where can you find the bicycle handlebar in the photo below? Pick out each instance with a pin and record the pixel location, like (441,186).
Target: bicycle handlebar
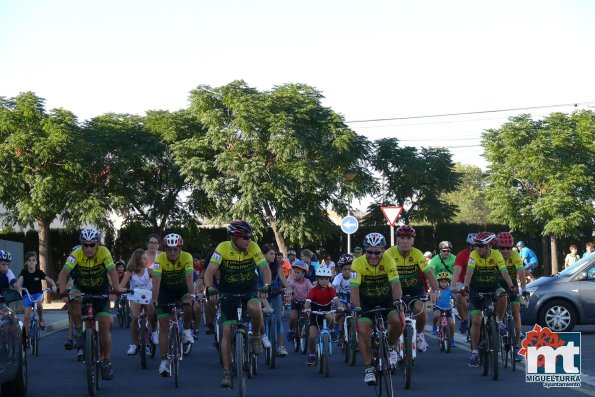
(40,297)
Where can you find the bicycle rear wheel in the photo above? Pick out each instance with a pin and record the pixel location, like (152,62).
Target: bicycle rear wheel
(91,366)
(239,363)
(174,353)
(142,337)
(273,338)
(407,362)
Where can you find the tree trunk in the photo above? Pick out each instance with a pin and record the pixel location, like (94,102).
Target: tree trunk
(45,255)
(547,268)
(554,254)
(272,223)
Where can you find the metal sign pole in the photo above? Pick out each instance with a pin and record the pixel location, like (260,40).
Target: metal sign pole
(392,236)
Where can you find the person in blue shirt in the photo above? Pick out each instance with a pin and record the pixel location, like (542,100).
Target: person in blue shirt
(529,259)
(444,304)
(588,249)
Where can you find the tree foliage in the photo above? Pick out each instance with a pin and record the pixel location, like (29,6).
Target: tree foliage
(542,173)
(469,197)
(275,158)
(414,179)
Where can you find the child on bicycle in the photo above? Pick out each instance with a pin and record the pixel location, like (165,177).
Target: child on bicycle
(300,286)
(341,286)
(30,278)
(320,298)
(444,304)
(137,277)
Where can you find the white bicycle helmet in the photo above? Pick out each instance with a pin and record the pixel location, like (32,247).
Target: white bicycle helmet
(324,271)
(484,238)
(5,256)
(173,240)
(471,238)
(89,234)
(374,240)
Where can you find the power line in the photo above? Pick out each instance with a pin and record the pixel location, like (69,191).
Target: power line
(468,113)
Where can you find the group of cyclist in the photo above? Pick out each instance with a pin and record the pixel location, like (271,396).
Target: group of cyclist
(375,276)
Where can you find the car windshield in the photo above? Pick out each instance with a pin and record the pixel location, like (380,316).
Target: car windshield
(569,271)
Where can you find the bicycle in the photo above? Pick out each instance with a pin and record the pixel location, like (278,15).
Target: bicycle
(91,347)
(300,331)
(407,341)
(243,360)
(380,352)
(488,334)
(34,331)
(144,342)
(174,347)
(271,324)
(348,336)
(507,342)
(324,348)
(123,312)
(444,335)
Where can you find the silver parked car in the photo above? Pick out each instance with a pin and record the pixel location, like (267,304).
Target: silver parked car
(564,300)
(13,355)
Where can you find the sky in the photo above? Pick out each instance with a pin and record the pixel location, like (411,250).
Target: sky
(371,60)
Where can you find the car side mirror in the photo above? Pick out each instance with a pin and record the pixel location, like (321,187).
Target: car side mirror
(10,295)
(582,276)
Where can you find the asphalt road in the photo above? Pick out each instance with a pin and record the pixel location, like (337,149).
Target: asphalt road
(57,373)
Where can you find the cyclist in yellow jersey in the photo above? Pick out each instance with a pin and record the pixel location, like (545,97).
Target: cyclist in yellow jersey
(93,264)
(483,269)
(514,266)
(410,262)
(375,282)
(172,282)
(237,261)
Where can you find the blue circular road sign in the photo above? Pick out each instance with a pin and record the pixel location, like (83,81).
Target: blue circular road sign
(349,224)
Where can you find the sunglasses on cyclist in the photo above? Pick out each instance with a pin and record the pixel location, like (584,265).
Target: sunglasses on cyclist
(480,245)
(87,245)
(369,252)
(444,250)
(246,238)
(505,248)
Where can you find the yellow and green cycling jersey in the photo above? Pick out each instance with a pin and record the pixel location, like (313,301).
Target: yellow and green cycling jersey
(514,265)
(173,274)
(486,271)
(238,268)
(409,267)
(374,282)
(90,273)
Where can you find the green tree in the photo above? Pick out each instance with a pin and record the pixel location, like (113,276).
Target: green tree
(469,197)
(542,175)
(275,158)
(41,175)
(415,180)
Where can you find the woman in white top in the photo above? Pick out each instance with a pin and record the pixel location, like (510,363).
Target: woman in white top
(152,250)
(139,277)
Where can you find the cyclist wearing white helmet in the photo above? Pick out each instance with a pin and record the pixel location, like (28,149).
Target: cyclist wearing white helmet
(7,278)
(411,265)
(90,266)
(458,277)
(484,269)
(375,282)
(172,282)
(320,298)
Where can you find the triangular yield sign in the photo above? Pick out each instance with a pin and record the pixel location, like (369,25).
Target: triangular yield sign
(391,214)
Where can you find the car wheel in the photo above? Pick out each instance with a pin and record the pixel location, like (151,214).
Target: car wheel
(558,315)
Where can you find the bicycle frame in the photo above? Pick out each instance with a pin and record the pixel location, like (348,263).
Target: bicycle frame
(34,332)
(324,347)
(488,334)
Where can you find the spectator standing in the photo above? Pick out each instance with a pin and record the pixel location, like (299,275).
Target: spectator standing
(588,249)
(572,257)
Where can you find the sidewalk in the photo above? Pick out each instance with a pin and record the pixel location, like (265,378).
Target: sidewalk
(55,318)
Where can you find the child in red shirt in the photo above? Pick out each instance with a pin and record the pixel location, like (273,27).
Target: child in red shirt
(320,298)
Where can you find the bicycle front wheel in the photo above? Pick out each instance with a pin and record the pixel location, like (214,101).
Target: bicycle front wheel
(34,338)
(174,353)
(326,354)
(142,337)
(91,366)
(407,362)
(352,341)
(511,341)
(493,345)
(385,370)
(239,363)
(273,338)
(376,362)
